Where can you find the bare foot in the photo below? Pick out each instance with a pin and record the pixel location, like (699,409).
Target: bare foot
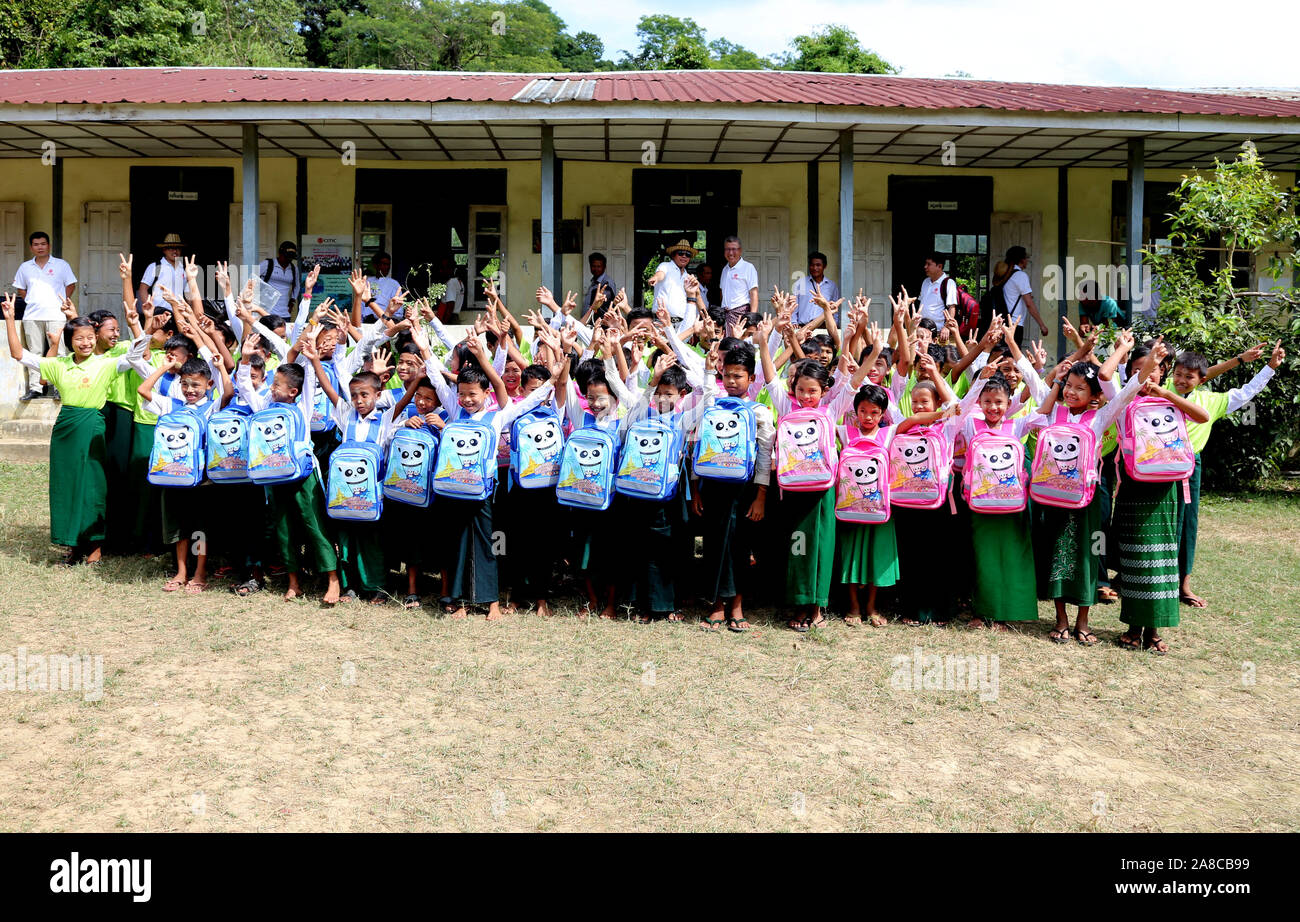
(878,620)
(853,619)
(459,614)
(543,608)
(494,612)
(608,613)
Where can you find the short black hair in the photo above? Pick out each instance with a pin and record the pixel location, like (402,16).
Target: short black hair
(181,342)
(255,360)
(535,372)
(675,377)
(997,382)
(472,374)
(98,317)
(1194,361)
(72,326)
(928,324)
(935,257)
(871,393)
(294,374)
(817,254)
(718,316)
(1088,372)
(639,313)
(595,256)
(367,377)
(275,322)
(1015,254)
(197,367)
(742,356)
(37,235)
(586,368)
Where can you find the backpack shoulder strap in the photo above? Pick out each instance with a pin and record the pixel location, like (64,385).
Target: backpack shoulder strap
(270,267)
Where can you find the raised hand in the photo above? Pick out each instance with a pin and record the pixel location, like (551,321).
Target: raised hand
(1254,353)
(1278,357)
(192,269)
(69,309)
(310,281)
(10,304)
(379,363)
(124,265)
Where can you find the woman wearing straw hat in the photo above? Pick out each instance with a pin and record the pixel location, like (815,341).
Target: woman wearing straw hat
(168,272)
(669,280)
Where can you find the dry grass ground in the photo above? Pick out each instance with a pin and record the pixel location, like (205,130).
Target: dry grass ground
(227,714)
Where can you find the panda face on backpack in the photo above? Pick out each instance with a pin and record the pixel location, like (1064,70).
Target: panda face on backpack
(538,440)
(652,459)
(353,491)
(176,459)
(228,447)
(411,456)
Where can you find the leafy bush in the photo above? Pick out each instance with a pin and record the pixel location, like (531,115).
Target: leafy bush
(1243,212)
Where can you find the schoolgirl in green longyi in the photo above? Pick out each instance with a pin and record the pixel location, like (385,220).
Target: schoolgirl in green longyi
(78,487)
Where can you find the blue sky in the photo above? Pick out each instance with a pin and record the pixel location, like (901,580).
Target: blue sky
(1121,42)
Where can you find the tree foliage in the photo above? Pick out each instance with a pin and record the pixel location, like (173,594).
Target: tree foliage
(834,50)
(1238,209)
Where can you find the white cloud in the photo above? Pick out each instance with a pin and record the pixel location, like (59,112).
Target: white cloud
(1196,43)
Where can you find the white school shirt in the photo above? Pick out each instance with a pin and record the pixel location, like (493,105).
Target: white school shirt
(806,311)
(284,279)
(376,426)
(260,400)
(932,301)
(161,273)
(44,288)
(672,289)
(1108,415)
(455,294)
(737,281)
(1017,287)
(160,404)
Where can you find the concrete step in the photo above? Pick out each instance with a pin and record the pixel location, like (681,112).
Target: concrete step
(37,409)
(25,451)
(21,429)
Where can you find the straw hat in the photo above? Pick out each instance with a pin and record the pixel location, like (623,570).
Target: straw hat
(171,240)
(682,246)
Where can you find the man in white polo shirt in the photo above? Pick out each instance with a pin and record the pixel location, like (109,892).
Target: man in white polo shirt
(669,280)
(168,272)
(933,299)
(382,287)
(42,282)
(281,273)
(1018,292)
(739,283)
(805,310)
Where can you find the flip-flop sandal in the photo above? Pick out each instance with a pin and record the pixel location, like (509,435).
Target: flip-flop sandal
(1059,635)
(1128,642)
(348,596)
(853,620)
(820,623)
(883,622)
(245,589)
(710,625)
(1153,646)
(734,625)
(193,588)
(675,617)
(378,599)
(1086,638)
(173,584)
(1104,599)
(411,602)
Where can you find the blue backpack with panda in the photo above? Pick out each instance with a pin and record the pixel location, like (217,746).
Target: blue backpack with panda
(409,477)
(652,459)
(279,447)
(727,441)
(536,444)
(467,460)
(227,453)
(176,459)
(587,469)
(353,491)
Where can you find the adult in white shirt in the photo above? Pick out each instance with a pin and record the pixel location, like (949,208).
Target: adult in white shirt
(168,272)
(281,273)
(453,299)
(382,288)
(1018,293)
(669,280)
(739,283)
(805,310)
(43,282)
(935,297)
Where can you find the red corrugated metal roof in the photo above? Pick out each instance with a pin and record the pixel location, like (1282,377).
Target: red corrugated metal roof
(144,86)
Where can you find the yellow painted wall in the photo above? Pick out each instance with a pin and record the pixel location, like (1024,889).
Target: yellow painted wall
(32,183)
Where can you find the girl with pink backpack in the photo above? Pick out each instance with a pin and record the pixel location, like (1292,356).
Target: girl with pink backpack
(806,461)
(1068,537)
(1146,509)
(868,546)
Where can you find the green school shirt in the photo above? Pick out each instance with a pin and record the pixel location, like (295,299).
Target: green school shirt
(85,385)
(121,391)
(138,412)
(1213,402)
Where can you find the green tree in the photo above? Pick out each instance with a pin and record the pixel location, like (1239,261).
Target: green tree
(668,43)
(581,52)
(1243,209)
(834,50)
(727,55)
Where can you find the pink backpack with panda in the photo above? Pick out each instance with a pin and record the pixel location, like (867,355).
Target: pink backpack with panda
(1064,472)
(805,450)
(1154,441)
(920,466)
(862,490)
(994,478)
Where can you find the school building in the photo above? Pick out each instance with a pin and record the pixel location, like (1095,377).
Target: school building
(532,171)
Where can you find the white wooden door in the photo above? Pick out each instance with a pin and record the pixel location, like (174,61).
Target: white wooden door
(1007,229)
(487,243)
(105,234)
(765,239)
(873,266)
(611,230)
(13,238)
(267,228)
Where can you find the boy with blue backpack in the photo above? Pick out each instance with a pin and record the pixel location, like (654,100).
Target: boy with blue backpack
(177,461)
(465,472)
(354,495)
(295,498)
(730,475)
